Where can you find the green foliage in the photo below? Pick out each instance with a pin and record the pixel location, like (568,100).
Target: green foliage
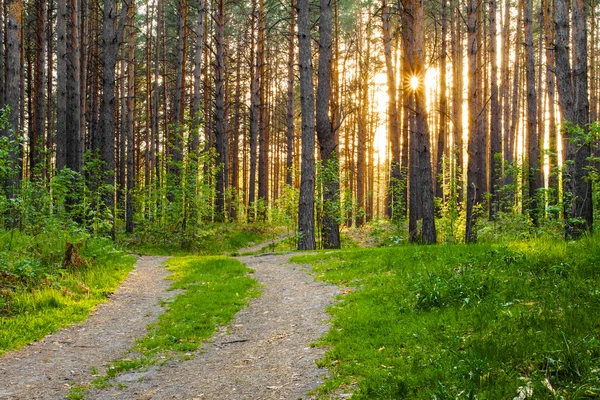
(465,321)
(40,294)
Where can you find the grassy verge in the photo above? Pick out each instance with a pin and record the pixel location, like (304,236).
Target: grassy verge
(213,239)
(39,294)
(464,322)
(213,289)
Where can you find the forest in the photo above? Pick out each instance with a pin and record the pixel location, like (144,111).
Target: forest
(459,137)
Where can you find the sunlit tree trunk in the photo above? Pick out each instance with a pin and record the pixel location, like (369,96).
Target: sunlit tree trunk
(325,132)
(548,10)
(263,131)
(220,134)
(393,119)
(306,216)
(495,128)
(534,175)
(573,100)
(443,122)
(290,99)
(198,53)
(130,116)
(476,178)
(39,106)
(254,114)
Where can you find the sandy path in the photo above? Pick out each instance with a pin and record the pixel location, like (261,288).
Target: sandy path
(265,355)
(46,369)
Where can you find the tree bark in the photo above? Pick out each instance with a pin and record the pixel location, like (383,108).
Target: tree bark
(534,173)
(289,161)
(306,216)
(476,179)
(326,134)
(495,128)
(220,134)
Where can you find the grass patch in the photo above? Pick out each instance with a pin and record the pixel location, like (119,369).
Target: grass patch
(213,289)
(465,321)
(213,239)
(38,295)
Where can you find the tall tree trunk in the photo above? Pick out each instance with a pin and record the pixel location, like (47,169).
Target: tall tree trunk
(573,101)
(326,134)
(290,100)
(306,211)
(420,172)
(130,116)
(39,106)
(254,115)
(220,134)
(495,128)
(443,124)
(534,173)
(176,139)
(263,131)
(393,190)
(61,85)
(198,52)
(73,123)
(476,179)
(457,101)
(14,24)
(550,88)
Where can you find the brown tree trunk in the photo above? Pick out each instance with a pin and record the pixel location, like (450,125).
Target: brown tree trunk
(550,88)
(393,190)
(421,198)
(326,134)
(254,115)
(39,106)
(263,130)
(495,128)
(290,100)
(534,173)
(443,122)
(476,178)
(573,101)
(220,134)
(198,52)
(130,117)
(306,216)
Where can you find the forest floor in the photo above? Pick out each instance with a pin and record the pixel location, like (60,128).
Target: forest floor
(265,353)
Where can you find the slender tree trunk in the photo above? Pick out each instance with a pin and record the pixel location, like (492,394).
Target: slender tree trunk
(61,85)
(325,132)
(443,122)
(220,134)
(534,173)
(254,116)
(495,128)
(39,106)
(176,139)
(289,170)
(476,180)
(573,101)
(73,123)
(130,117)
(198,52)
(421,172)
(263,130)
(550,88)
(306,210)
(393,190)
(14,24)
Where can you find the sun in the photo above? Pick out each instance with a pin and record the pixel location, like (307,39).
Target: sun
(414,82)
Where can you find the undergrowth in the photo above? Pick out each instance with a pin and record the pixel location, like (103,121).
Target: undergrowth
(40,292)
(212,239)
(465,321)
(213,289)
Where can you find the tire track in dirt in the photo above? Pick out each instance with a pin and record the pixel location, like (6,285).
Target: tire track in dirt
(46,369)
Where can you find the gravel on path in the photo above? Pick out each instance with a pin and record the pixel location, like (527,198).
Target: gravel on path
(265,353)
(46,369)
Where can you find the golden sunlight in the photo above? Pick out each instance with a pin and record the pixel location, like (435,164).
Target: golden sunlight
(414,82)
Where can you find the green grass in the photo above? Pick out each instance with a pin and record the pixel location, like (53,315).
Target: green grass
(213,289)
(465,321)
(213,239)
(39,296)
